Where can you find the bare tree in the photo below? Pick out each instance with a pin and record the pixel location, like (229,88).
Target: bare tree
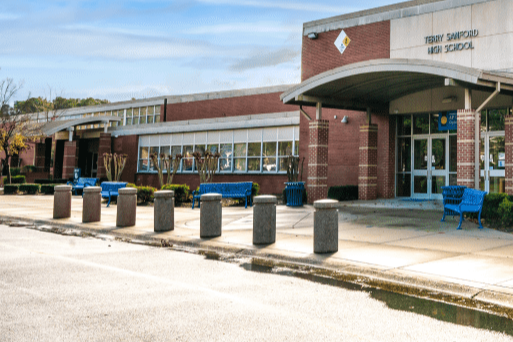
(16,129)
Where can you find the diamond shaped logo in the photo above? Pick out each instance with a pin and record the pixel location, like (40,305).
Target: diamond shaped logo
(342,42)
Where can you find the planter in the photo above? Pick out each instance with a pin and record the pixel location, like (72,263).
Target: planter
(294,192)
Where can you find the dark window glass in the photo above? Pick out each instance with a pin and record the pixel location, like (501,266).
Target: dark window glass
(434,124)
(404,125)
(421,124)
(404,155)
(496,119)
(403,185)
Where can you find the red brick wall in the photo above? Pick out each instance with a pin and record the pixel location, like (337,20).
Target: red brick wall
(233,106)
(70,159)
(466,148)
(127,145)
(317,160)
(343,148)
(368,162)
(27,156)
(268,184)
(104,147)
(509,154)
(368,42)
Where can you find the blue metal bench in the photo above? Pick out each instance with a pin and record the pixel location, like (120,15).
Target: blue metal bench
(471,202)
(227,190)
(452,194)
(110,189)
(82,183)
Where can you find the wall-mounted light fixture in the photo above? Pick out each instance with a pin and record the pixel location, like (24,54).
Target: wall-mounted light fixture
(450,99)
(335,117)
(345,119)
(312,35)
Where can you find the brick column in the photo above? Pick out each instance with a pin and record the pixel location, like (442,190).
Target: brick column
(39,157)
(104,147)
(317,185)
(386,169)
(52,156)
(509,153)
(69,161)
(466,148)
(368,166)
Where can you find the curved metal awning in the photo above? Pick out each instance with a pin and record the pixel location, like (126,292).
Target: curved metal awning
(373,84)
(53,127)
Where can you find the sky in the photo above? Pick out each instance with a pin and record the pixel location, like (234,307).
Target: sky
(118,50)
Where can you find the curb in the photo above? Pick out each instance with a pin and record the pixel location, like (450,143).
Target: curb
(492,301)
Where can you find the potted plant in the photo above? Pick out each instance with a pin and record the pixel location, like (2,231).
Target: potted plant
(294,189)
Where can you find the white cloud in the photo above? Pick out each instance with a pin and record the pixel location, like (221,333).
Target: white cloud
(292,5)
(249,27)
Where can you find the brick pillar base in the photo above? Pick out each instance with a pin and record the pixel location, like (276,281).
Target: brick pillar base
(368,166)
(317,185)
(466,148)
(105,147)
(509,154)
(69,159)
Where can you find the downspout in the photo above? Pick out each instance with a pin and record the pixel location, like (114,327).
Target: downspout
(477,130)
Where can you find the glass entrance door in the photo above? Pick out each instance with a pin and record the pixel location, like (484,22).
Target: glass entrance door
(492,162)
(430,171)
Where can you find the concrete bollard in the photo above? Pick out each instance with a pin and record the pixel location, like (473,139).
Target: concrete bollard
(325,226)
(126,207)
(92,204)
(164,211)
(62,201)
(211,215)
(264,220)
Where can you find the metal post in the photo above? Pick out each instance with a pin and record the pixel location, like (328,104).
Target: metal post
(318,111)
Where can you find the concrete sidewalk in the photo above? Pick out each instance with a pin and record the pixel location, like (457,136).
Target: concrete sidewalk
(405,250)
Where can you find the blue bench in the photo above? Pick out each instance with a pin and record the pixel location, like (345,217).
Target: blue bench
(82,183)
(227,190)
(110,189)
(452,194)
(471,202)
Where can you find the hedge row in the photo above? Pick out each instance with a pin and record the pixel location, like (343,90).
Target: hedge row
(51,181)
(19,179)
(48,189)
(10,189)
(144,193)
(497,210)
(343,192)
(181,192)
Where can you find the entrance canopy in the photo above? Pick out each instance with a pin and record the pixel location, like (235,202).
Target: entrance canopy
(53,127)
(373,84)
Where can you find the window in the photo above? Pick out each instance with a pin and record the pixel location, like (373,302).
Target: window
(157,113)
(188,159)
(284,150)
(269,157)
(225,161)
(129,117)
(135,120)
(254,150)
(239,156)
(142,115)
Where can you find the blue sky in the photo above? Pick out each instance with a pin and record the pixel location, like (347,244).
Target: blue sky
(117,50)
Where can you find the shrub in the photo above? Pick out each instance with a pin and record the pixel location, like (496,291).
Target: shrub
(343,192)
(15,171)
(506,212)
(491,205)
(255,189)
(30,168)
(30,189)
(51,181)
(20,179)
(181,191)
(10,189)
(145,193)
(47,189)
